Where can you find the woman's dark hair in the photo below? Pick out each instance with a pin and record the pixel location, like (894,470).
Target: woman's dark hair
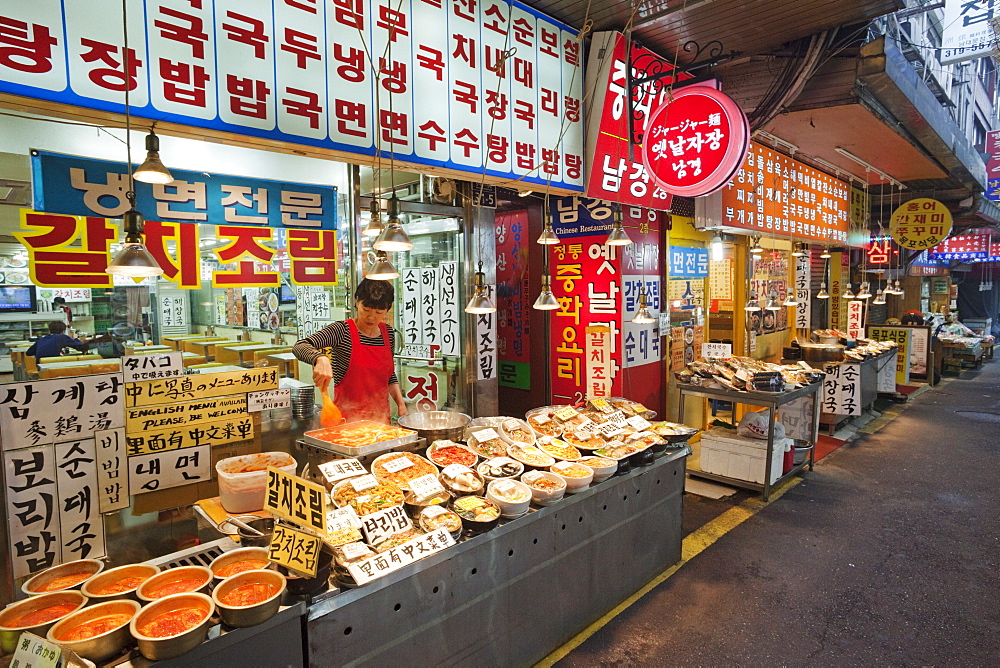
(59,300)
(375,294)
(57,327)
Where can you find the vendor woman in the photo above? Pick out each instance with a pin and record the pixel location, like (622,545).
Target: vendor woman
(356,354)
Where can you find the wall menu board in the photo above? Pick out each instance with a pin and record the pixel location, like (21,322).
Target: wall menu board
(775,194)
(493,88)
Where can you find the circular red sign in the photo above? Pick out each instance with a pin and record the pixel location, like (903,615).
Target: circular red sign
(695,141)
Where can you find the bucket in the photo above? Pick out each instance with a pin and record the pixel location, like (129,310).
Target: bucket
(800,454)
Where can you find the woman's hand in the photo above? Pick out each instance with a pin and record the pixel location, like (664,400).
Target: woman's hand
(322,372)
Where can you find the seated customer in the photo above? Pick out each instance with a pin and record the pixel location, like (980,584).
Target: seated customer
(51,344)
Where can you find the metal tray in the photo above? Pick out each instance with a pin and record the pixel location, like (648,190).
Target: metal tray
(379,447)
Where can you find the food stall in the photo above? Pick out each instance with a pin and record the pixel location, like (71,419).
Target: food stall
(381,527)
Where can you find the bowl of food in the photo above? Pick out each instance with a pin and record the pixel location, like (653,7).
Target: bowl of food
(478,513)
(500,467)
(397,539)
(366,499)
(181,580)
(584,439)
(351,553)
(512,496)
(70,575)
(513,430)
(96,632)
(414,505)
(244,559)
(436,425)
(433,518)
(173,625)
(115,583)
(399,468)
(461,480)
(546,487)
(559,449)
(37,615)
(446,453)
(531,455)
(543,423)
(487,443)
(603,467)
(303,585)
(577,476)
(265,525)
(249,598)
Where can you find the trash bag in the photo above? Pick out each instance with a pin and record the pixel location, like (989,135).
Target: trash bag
(754,425)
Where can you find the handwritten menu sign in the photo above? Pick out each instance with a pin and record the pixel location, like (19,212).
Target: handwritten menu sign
(855,321)
(33,652)
(426,486)
(842,389)
(112,481)
(400,556)
(223,432)
(339,519)
(339,469)
(80,520)
(295,499)
(379,526)
(449,307)
(294,549)
(184,413)
(716,350)
(152,366)
(163,470)
(267,400)
(200,386)
(47,411)
(486,341)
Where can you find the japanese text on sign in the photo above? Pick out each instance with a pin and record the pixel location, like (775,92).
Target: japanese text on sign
(269,400)
(295,499)
(200,386)
(152,366)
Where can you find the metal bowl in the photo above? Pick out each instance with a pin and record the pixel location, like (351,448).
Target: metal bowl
(161,649)
(262,524)
(249,615)
(92,586)
(436,425)
(146,589)
(99,647)
(33,587)
(226,558)
(9,634)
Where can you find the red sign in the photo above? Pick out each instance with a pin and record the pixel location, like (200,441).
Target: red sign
(513,332)
(962,247)
(611,174)
(880,251)
(695,141)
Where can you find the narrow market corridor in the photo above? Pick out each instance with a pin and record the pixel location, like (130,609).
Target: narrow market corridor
(887,553)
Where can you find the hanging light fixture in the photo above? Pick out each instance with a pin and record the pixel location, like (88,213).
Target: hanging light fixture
(480,302)
(753,305)
(643,316)
(546,300)
(879,297)
(790,300)
(826,253)
(848,293)
(134,260)
(152,170)
(618,236)
(797,250)
(865,291)
(756,248)
(548,236)
(374,227)
(772,305)
(393,238)
(718,248)
(822,294)
(382,270)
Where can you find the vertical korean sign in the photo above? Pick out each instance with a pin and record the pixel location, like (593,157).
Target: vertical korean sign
(513,315)
(586,280)
(904,337)
(642,351)
(855,319)
(803,292)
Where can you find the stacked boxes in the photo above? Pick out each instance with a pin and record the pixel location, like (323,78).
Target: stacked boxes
(723,452)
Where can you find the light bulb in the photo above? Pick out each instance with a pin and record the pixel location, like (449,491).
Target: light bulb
(865,291)
(797,250)
(618,236)
(643,316)
(718,248)
(480,302)
(879,298)
(752,306)
(825,254)
(382,270)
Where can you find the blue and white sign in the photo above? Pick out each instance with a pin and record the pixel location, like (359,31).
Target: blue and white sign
(492,88)
(580,216)
(688,262)
(87,187)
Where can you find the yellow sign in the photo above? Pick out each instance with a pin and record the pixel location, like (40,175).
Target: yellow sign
(294,549)
(222,432)
(189,412)
(920,223)
(860,206)
(199,386)
(295,499)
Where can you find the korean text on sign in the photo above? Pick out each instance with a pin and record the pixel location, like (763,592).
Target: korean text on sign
(295,549)
(295,499)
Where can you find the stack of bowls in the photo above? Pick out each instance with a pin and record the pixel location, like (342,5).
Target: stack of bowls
(303,401)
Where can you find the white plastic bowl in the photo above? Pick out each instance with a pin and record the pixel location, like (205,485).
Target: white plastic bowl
(545,497)
(601,473)
(574,484)
(509,508)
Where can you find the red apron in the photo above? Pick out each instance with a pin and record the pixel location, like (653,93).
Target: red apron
(363,394)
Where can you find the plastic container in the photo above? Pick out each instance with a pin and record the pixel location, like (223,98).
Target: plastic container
(242,491)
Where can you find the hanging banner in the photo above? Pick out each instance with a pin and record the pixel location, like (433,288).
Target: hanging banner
(642,343)
(842,389)
(855,319)
(695,141)
(513,307)
(993,166)
(962,247)
(580,216)
(486,341)
(840,276)
(967,30)
(774,194)
(449,308)
(612,173)
(920,223)
(803,292)
(493,89)
(994,255)
(598,351)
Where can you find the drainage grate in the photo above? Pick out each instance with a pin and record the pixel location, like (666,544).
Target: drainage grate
(981,415)
(200,555)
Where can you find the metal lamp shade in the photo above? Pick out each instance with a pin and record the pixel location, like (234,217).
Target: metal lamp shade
(393,239)
(382,270)
(134,261)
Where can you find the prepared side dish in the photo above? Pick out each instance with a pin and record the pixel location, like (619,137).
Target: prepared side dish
(249,594)
(584,439)
(95,627)
(360,434)
(121,585)
(462,479)
(183,586)
(42,616)
(544,424)
(436,517)
(560,449)
(544,484)
(65,581)
(574,470)
(530,455)
(400,468)
(173,623)
(597,462)
(476,509)
(241,566)
(617,450)
(510,492)
(397,539)
(382,496)
(445,455)
(494,447)
(517,431)
(500,467)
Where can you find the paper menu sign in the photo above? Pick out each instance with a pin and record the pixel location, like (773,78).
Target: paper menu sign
(565,413)
(487,434)
(152,366)
(339,469)
(267,400)
(609,429)
(402,555)
(452,470)
(397,465)
(34,652)
(352,551)
(364,482)
(602,405)
(295,499)
(294,549)
(638,422)
(342,518)
(617,418)
(379,526)
(426,486)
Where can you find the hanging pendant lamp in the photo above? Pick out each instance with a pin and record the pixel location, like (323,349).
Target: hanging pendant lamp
(393,238)
(865,291)
(879,298)
(790,300)
(848,293)
(756,248)
(152,169)
(374,227)
(546,300)
(480,302)
(643,316)
(825,255)
(753,305)
(822,294)
(797,250)
(382,270)
(548,236)
(618,236)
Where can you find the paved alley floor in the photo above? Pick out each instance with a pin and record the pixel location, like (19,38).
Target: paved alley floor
(887,554)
